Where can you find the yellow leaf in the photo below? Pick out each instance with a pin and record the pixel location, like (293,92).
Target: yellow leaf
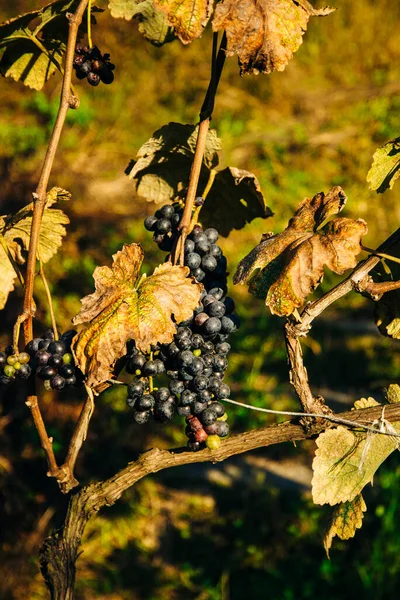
(342,466)
(346,519)
(123,308)
(188,17)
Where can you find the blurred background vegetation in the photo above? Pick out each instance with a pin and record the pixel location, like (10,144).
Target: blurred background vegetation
(247,527)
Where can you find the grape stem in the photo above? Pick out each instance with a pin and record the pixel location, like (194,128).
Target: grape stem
(217,63)
(89,23)
(49,300)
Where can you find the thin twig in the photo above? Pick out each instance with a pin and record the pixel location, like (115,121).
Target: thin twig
(89,24)
(67,100)
(49,300)
(395,259)
(331,418)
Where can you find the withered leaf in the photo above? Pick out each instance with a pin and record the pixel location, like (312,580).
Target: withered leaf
(264,33)
(346,519)
(187,17)
(292,262)
(124,308)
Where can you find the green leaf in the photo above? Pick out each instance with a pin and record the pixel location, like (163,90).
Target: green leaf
(124,307)
(17,228)
(346,519)
(292,262)
(346,461)
(385,167)
(35,43)
(234,200)
(187,17)
(7,274)
(153,23)
(15,231)
(27,63)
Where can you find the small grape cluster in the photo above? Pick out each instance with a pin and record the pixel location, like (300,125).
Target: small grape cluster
(51,360)
(164,223)
(91,64)
(196,360)
(13,365)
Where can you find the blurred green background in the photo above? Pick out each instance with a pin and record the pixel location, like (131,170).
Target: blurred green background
(247,527)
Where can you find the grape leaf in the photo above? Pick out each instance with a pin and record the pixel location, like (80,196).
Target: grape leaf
(343,464)
(393,393)
(124,307)
(17,228)
(35,43)
(7,274)
(346,519)
(153,23)
(264,33)
(292,262)
(161,174)
(235,199)
(187,17)
(15,231)
(387,308)
(385,167)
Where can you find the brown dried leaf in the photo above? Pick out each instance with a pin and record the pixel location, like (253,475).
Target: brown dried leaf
(123,308)
(264,33)
(188,17)
(293,261)
(346,519)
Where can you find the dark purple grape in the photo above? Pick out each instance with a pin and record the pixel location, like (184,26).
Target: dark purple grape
(187,398)
(163,226)
(66,370)
(216,309)
(93,79)
(56,382)
(167,211)
(56,360)
(223,391)
(212,326)
(183,411)
(24,372)
(146,402)
(141,417)
(42,356)
(162,394)
(136,389)
(150,222)
(150,368)
(192,260)
(208,416)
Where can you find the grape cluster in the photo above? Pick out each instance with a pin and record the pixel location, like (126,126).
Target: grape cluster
(91,64)
(51,360)
(195,362)
(13,365)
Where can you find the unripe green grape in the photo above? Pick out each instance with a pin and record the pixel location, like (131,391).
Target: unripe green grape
(9,371)
(213,442)
(67,358)
(12,359)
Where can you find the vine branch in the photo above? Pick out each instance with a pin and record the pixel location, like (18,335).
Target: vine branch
(60,551)
(67,100)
